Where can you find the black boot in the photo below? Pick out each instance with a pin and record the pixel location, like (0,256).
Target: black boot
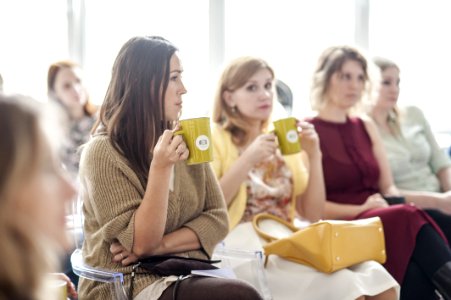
(442,280)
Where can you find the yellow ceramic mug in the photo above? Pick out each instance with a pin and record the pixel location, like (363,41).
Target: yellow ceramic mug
(197,136)
(59,288)
(287,135)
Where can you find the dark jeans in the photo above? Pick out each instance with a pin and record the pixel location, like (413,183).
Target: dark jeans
(443,221)
(430,253)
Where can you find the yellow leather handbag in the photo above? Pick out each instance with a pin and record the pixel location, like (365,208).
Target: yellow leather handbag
(328,245)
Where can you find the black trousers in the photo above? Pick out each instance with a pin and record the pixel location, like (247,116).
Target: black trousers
(443,221)
(430,253)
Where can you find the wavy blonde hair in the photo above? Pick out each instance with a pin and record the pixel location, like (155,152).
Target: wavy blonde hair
(394,115)
(234,76)
(26,256)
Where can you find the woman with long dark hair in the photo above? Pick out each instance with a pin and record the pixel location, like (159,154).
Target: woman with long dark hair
(140,196)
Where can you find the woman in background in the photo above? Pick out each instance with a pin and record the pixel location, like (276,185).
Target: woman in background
(357,177)
(256,178)
(421,170)
(65,86)
(33,197)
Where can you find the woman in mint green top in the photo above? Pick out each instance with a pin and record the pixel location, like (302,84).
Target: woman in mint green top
(415,157)
(419,167)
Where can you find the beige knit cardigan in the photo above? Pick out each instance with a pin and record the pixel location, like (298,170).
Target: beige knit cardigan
(112,192)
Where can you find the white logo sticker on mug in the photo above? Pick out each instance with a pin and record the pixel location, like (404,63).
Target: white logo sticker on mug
(292,136)
(202,142)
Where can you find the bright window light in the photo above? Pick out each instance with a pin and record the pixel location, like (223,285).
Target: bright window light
(414,35)
(290,36)
(33,35)
(107,29)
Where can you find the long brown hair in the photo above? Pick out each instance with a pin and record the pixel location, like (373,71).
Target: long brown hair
(89,108)
(330,62)
(25,257)
(234,76)
(133,113)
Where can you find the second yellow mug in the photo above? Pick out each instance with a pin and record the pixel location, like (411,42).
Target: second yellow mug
(197,136)
(287,135)
(58,288)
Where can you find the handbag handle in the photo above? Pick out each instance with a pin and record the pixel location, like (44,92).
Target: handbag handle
(265,216)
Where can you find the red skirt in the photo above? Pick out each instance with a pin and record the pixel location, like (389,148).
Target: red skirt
(401,226)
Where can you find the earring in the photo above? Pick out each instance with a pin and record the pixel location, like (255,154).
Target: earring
(233,109)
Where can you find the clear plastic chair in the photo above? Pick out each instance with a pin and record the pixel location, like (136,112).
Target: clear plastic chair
(115,279)
(247,265)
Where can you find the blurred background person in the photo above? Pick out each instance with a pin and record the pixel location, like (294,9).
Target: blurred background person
(421,170)
(65,86)
(66,89)
(358,178)
(33,196)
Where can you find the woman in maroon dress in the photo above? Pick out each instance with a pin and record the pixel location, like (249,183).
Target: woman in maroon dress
(357,178)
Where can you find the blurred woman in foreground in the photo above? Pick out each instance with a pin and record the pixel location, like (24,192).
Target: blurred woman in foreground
(33,197)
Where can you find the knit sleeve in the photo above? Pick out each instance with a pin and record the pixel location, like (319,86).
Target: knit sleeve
(211,226)
(110,195)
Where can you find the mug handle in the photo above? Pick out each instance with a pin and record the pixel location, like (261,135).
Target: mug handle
(262,216)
